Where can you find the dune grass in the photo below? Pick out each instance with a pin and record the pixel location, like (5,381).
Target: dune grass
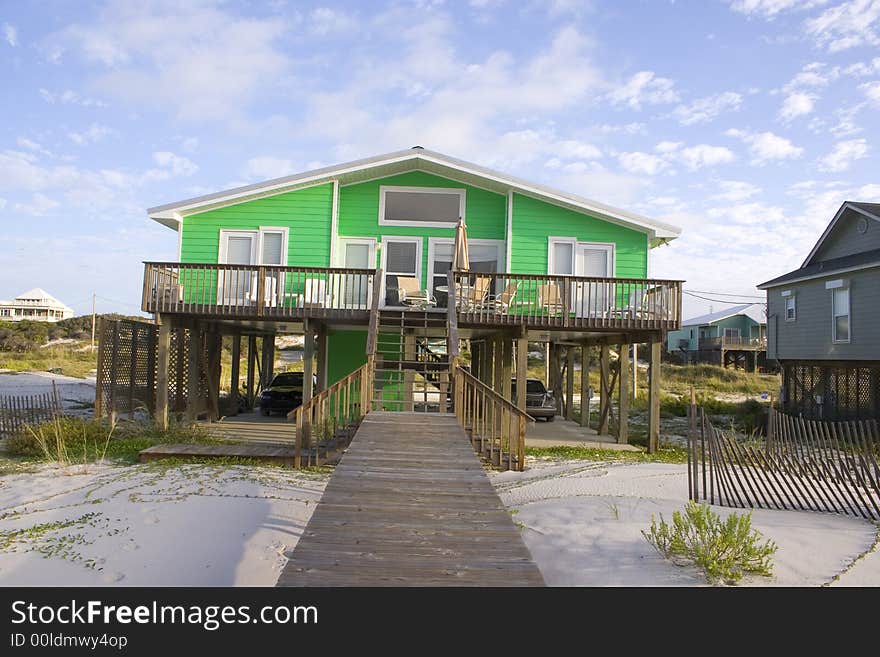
(66,360)
(666,454)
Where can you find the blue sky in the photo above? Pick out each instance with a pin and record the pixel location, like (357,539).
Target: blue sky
(745,122)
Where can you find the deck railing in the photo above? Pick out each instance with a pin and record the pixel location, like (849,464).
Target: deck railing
(497,428)
(734,342)
(567,301)
(256,290)
(327,421)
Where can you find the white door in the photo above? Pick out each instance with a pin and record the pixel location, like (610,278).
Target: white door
(400,257)
(357,254)
(594,299)
(236,248)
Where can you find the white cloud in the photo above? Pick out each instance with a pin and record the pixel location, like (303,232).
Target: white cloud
(863,69)
(266,167)
(93,134)
(847,25)
(766,146)
(871,91)
(844,154)
(812,76)
(668,146)
(770,8)
(704,155)
(795,105)
(10,34)
(69,97)
(706,109)
(846,117)
(643,163)
(627,129)
(734,190)
(323,21)
(201,60)
(176,164)
(39,205)
(644,88)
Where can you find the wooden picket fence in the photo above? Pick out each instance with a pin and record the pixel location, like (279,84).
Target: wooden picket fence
(807,465)
(17,412)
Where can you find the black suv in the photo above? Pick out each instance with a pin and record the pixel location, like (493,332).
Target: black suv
(284,393)
(540,402)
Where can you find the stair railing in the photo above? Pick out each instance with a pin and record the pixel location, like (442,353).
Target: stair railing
(331,416)
(496,426)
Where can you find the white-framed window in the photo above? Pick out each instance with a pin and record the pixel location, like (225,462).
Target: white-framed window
(560,255)
(790,308)
(265,246)
(429,207)
(483,256)
(401,256)
(840,324)
(731,333)
(356,253)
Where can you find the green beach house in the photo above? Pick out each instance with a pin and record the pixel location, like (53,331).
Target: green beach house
(358,258)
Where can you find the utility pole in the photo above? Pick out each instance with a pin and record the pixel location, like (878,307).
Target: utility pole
(94,297)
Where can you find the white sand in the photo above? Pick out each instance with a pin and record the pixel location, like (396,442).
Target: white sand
(148,525)
(74,393)
(583,521)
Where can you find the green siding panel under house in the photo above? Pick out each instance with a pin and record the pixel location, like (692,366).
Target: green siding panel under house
(346,351)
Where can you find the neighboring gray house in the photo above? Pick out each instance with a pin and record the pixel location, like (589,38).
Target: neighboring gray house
(823,321)
(734,336)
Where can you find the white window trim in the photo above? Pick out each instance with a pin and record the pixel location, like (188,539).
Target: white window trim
(848,316)
(462,198)
(343,241)
(284,235)
(786,299)
(738,333)
(257,248)
(551,242)
(433,241)
(399,238)
(610,247)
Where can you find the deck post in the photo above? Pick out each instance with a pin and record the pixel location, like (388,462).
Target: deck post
(308,355)
(635,370)
(507,369)
(486,361)
(569,383)
(251,370)
(522,365)
(193,364)
(267,358)
(162,362)
(498,361)
(623,395)
(409,374)
(654,397)
(321,357)
(585,384)
(212,371)
(234,374)
(604,389)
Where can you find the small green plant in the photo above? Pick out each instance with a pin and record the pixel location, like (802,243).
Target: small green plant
(724,550)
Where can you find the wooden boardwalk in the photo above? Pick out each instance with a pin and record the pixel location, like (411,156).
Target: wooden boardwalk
(410,505)
(259,452)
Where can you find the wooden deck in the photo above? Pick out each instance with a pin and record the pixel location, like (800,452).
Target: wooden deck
(410,505)
(257,452)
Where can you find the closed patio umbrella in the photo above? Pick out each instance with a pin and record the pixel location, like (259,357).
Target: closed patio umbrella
(460,261)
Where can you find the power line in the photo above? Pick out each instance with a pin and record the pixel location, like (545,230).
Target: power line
(725,294)
(727,301)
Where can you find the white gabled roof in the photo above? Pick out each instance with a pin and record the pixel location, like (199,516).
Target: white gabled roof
(411,159)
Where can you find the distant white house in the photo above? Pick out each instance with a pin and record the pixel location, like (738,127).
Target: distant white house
(35,305)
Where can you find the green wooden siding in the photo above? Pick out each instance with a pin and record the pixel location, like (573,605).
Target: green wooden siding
(485,212)
(305,212)
(534,222)
(347,351)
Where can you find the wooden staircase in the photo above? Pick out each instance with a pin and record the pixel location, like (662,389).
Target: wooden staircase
(411,372)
